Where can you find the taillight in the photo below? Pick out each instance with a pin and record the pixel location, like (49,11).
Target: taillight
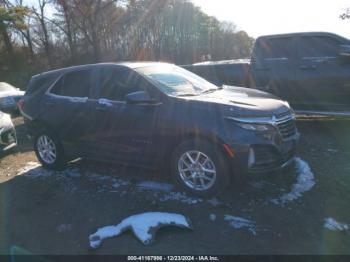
(20,104)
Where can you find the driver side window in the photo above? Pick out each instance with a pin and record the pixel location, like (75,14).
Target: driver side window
(115,84)
(318,46)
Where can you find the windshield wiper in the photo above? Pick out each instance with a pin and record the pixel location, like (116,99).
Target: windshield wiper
(188,94)
(211,90)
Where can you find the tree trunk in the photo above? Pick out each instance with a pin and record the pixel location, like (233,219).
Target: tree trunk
(7,40)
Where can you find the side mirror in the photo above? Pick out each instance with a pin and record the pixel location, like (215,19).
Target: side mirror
(140,97)
(344,51)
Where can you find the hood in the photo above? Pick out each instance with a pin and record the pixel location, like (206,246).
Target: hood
(245,102)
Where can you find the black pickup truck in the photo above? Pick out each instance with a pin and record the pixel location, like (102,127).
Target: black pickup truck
(309,70)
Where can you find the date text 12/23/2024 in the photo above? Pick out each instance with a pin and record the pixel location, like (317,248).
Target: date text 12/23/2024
(173,258)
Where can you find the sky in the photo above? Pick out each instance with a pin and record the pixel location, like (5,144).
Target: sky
(263,17)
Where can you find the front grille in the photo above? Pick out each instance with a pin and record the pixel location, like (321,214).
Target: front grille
(286,127)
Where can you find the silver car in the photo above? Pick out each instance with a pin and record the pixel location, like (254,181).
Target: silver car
(8,137)
(9,96)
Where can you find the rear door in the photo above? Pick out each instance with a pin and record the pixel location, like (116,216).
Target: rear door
(123,131)
(323,79)
(274,66)
(66,108)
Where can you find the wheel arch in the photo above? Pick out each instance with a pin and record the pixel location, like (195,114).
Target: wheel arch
(36,126)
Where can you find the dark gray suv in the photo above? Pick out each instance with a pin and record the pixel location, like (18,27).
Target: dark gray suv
(157,114)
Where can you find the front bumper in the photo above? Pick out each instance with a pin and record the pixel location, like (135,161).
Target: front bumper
(263,156)
(269,158)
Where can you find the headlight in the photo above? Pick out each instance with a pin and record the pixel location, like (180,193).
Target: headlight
(256,127)
(286,104)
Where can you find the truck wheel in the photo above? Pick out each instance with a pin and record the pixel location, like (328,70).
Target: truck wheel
(199,168)
(49,151)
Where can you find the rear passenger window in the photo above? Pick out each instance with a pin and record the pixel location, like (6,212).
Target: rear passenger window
(115,84)
(73,84)
(275,48)
(318,46)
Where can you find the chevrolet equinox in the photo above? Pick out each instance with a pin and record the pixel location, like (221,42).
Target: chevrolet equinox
(158,114)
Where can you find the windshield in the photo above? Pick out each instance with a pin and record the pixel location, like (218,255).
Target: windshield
(6,87)
(175,81)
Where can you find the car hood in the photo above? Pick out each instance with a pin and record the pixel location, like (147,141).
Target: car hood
(245,102)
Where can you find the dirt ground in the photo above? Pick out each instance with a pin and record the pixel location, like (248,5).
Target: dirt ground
(45,212)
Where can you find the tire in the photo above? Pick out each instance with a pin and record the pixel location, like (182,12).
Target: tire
(209,158)
(53,145)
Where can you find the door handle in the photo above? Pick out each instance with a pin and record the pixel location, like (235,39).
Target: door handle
(307,67)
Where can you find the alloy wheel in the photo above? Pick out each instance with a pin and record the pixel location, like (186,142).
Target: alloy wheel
(47,149)
(197,170)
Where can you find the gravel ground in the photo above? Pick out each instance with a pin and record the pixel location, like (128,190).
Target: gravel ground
(301,211)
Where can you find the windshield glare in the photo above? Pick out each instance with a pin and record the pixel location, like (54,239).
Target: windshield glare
(175,81)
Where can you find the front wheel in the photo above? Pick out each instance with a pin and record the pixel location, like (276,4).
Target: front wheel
(49,151)
(200,168)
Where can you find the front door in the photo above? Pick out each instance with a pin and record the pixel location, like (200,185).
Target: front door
(274,67)
(123,131)
(323,79)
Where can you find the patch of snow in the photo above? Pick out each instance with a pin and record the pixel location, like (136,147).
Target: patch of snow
(64,228)
(182,197)
(28,167)
(151,185)
(106,102)
(305,181)
(78,99)
(332,224)
(214,202)
(33,170)
(212,217)
(144,226)
(117,183)
(239,222)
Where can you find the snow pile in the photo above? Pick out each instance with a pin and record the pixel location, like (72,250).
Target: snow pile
(181,197)
(144,226)
(239,222)
(33,169)
(151,185)
(305,181)
(332,224)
